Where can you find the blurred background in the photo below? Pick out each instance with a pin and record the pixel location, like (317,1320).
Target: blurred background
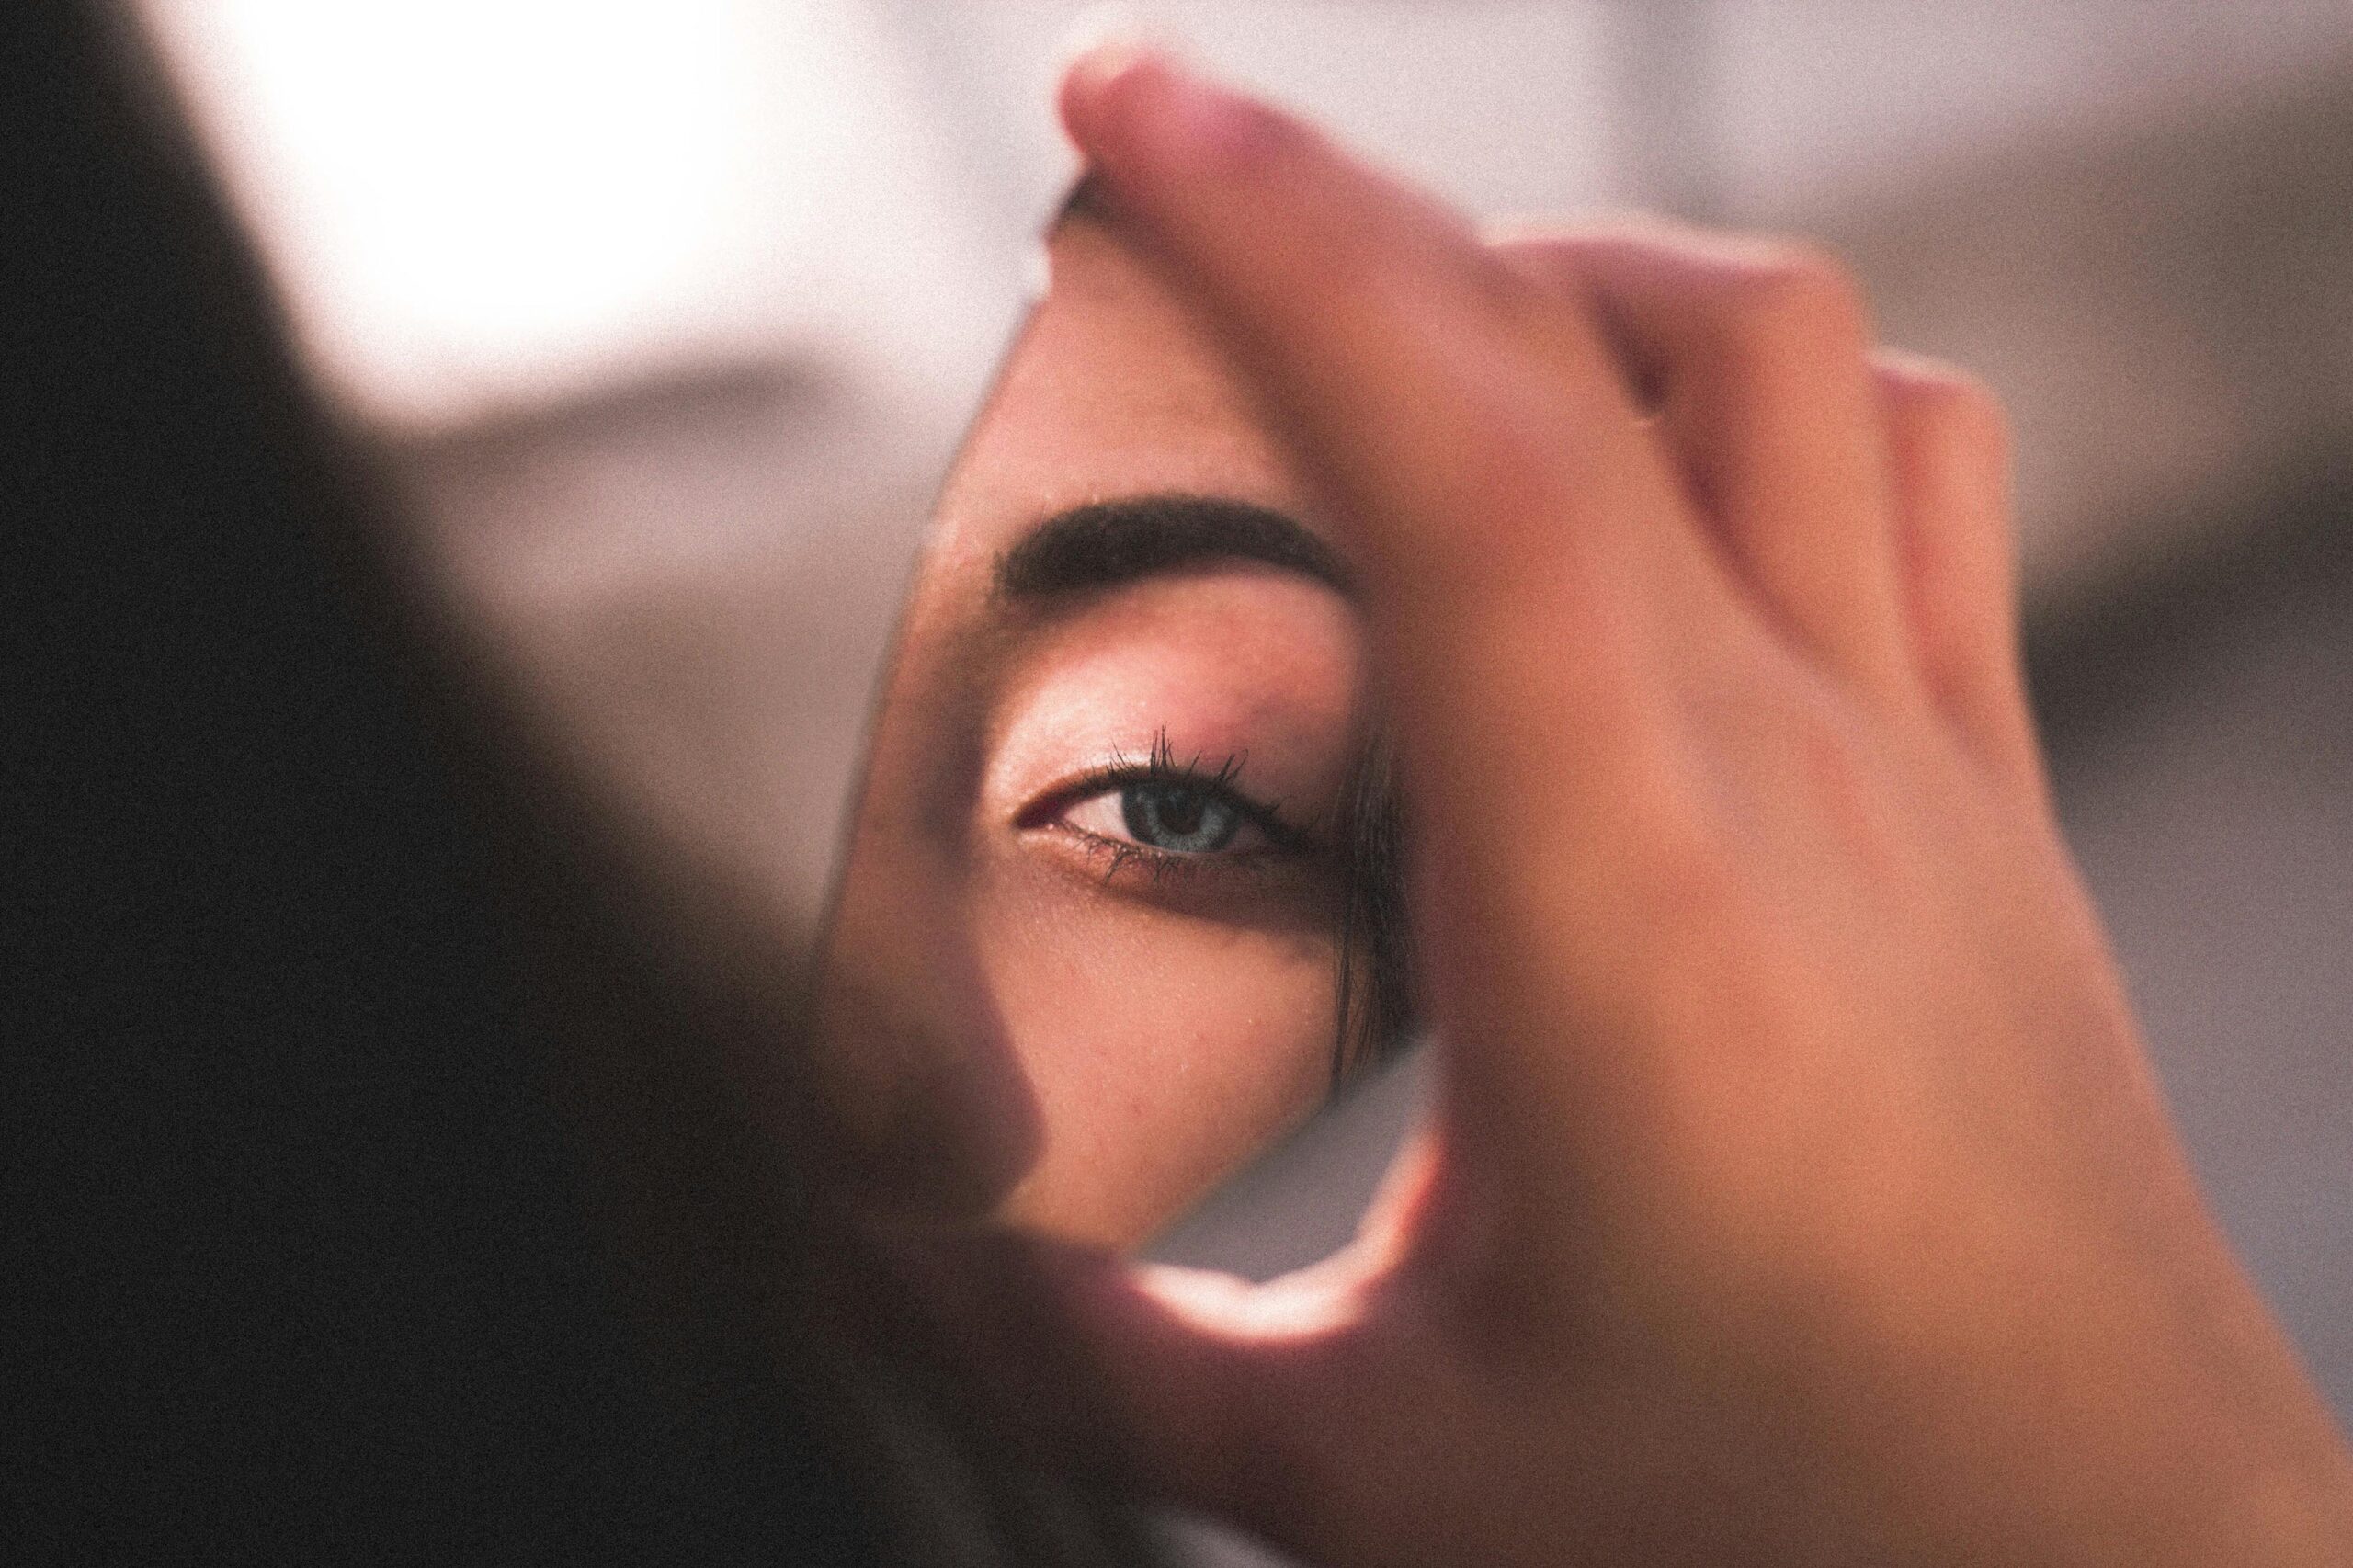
(592,274)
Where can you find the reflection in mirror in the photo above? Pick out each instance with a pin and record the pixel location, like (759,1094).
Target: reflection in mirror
(1121,903)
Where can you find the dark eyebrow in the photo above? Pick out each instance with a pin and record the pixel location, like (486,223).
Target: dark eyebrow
(1106,543)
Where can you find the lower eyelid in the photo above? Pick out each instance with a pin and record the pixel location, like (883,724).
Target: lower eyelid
(1160,865)
(1114,856)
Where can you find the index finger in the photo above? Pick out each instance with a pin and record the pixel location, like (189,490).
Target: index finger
(1408,362)
(1536,585)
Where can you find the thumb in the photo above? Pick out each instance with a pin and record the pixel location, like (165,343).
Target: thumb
(1184,1385)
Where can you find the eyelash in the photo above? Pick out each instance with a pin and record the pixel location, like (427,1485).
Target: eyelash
(1162,768)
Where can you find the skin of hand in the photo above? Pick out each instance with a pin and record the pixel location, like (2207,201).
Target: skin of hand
(1799,1190)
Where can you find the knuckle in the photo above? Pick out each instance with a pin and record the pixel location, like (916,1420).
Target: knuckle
(1947,409)
(1536,251)
(1568,250)
(1781,295)
(1974,416)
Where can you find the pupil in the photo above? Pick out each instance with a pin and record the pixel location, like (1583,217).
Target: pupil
(1178,813)
(1172,817)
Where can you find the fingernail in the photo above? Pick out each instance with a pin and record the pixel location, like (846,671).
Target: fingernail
(1130,100)
(1088,85)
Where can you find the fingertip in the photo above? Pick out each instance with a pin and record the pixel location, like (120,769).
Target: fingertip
(1136,113)
(1090,82)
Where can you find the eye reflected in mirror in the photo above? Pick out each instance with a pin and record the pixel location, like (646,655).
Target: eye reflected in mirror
(1121,903)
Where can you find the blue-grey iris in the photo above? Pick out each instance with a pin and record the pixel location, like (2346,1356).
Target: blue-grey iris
(1178,818)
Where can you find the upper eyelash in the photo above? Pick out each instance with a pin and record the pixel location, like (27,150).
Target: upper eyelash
(1161,767)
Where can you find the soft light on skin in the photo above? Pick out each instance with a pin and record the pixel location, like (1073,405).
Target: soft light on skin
(1019,1018)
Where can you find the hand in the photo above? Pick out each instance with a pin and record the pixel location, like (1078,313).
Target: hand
(1799,1190)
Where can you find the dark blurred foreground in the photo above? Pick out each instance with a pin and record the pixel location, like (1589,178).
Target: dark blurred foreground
(300,1265)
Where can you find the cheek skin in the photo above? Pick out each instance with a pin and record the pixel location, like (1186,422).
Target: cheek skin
(1077,1062)
(1163,1052)
(1168,1036)
(1011,1031)
(932,1110)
